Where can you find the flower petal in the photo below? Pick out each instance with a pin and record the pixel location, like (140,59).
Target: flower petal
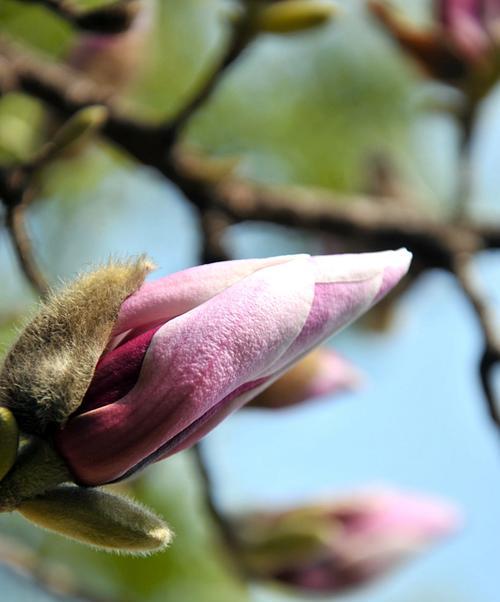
(178,293)
(346,286)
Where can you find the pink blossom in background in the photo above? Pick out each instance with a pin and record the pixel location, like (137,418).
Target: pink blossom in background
(472,24)
(114,60)
(322,372)
(191,348)
(358,538)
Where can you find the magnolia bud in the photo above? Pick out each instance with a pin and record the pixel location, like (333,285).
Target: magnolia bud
(38,469)
(294,15)
(321,372)
(99,519)
(79,127)
(114,60)
(331,547)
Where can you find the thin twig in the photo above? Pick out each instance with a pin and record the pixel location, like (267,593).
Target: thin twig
(491,354)
(224,526)
(208,493)
(16,225)
(213,226)
(467,122)
(240,36)
(16,193)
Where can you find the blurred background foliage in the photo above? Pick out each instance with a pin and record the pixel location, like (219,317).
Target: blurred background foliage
(314,109)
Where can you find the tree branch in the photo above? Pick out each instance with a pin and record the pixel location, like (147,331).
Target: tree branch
(491,354)
(16,225)
(381,224)
(375,222)
(213,226)
(224,526)
(15,195)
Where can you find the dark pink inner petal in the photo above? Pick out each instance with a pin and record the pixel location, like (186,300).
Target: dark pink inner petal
(334,306)
(195,431)
(117,372)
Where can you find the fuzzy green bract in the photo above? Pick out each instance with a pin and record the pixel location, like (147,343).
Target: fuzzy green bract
(48,370)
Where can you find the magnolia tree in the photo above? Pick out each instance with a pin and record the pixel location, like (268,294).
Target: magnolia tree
(117,369)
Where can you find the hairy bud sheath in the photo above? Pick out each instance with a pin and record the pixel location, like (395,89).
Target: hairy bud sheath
(48,370)
(99,519)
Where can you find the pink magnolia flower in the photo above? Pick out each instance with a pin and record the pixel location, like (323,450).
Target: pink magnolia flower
(461,50)
(472,24)
(322,372)
(114,59)
(342,544)
(190,348)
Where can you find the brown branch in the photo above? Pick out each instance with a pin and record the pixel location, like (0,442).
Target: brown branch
(213,226)
(379,224)
(110,19)
(491,354)
(374,223)
(224,526)
(15,195)
(16,226)
(66,91)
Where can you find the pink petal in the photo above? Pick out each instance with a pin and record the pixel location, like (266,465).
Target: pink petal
(413,516)
(346,286)
(178,293)
(466,23)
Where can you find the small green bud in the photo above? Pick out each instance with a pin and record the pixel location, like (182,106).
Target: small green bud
(99,519)
(38,469)
(9,441)
(294,15)
(81,125)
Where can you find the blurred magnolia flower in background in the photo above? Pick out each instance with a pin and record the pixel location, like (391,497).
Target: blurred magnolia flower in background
(114,59)
(473,25)
(461,49)
(189,349)
(322,372)
(344,543)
